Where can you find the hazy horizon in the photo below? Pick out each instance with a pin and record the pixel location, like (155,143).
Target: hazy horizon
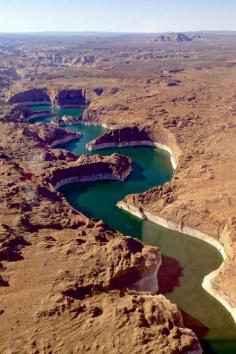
(127,16)
(115,32)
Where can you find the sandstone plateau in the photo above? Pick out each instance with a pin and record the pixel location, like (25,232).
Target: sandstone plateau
(69,283)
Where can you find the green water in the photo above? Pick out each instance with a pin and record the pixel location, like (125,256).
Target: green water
(186,260)
(41,119)
(73,112)
(36,108)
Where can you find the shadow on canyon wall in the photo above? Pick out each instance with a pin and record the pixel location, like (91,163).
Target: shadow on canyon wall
(169,275)
(198,327)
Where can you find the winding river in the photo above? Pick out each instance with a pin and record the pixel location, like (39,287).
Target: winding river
(186,260)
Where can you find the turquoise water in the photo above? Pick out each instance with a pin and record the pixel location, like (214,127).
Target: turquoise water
(186,260)
(73,112)
(36,108)
(55,111)
(41,119)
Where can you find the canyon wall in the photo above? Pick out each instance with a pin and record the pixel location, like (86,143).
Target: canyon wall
(62,98)
(138,136)
(37,96)
(90,168)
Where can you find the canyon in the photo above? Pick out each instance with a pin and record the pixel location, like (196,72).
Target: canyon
(145,206)
(39,225)
(172,94)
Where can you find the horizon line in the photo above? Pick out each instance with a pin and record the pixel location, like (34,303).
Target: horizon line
(115,32)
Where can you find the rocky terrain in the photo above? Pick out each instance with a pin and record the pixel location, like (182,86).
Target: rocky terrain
(58,98)
(201,195)
(177,94)
(43,251)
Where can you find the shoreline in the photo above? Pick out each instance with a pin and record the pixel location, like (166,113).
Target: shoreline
(69,106)
(135,143)
(65,140)
(207,281)
(50,103)
(96,124)
(38,115)
(147,282)
(94,178)
(36,103)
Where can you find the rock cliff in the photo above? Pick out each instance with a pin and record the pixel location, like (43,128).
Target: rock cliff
(90,168)
(127,136)
(68,97)
(33,96)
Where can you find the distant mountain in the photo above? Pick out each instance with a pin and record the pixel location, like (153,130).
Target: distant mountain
(173,37)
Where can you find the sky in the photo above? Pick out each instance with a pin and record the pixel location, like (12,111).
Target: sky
(117,15)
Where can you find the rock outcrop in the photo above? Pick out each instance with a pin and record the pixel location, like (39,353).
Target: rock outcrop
(127,136)
(21,113)
(90,168)
(64,98)
(71,98)
(16,113)
(55,136)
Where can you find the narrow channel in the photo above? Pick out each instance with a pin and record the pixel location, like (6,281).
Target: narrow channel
(186,260)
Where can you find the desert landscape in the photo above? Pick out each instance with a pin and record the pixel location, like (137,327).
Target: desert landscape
(72,283)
